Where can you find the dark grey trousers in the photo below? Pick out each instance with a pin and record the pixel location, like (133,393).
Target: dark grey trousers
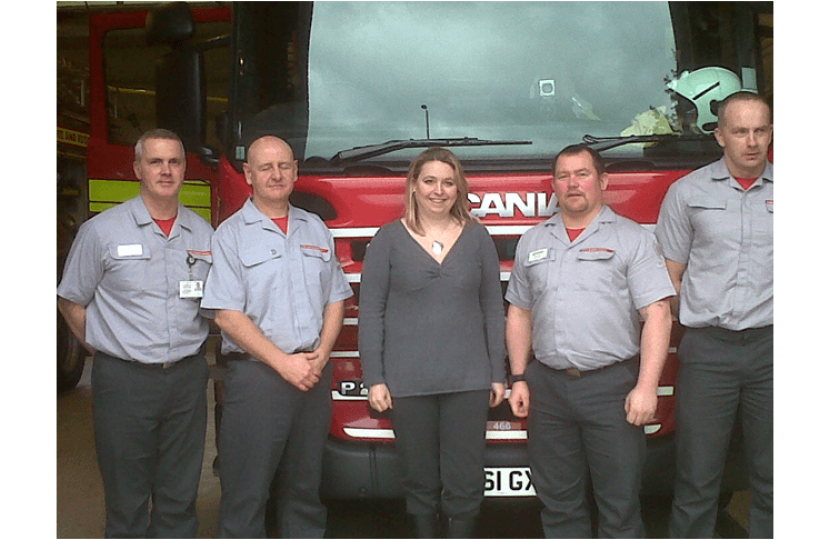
(441,439)
(721,373)
(577,428)
(265,422)
(150,438)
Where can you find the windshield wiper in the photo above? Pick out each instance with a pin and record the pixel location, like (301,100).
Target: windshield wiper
(600,144)
(366,152)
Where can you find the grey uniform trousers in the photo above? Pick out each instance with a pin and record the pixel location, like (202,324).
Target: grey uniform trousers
(721,373)
(577,430)
(267,422)
(149,427)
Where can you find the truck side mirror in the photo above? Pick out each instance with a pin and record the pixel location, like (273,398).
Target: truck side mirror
(181,88)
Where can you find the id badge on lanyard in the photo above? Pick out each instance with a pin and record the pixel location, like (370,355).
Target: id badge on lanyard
(191,288)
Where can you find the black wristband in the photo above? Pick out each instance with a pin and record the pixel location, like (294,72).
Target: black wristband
(518,378)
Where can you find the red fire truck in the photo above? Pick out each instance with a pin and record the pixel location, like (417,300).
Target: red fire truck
(359,88)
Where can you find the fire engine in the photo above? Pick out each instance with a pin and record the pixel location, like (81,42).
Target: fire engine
(360,88)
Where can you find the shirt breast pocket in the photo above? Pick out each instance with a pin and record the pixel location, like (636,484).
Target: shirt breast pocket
(261,265)
(315,263)
(595,270)
(709,217)
(129,267)
(539,271)
(200,265)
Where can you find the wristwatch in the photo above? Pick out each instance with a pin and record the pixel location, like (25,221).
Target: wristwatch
(517,378)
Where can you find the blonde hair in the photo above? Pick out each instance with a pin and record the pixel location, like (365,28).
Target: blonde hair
(461,208)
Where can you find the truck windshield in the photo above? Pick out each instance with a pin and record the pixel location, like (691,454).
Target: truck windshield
(548,73)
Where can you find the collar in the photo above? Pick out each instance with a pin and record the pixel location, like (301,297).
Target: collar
(606,215)
(142,215)
(557,227)
(251,214)
(720,171)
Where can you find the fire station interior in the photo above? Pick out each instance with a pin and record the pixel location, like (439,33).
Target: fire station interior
(79,492)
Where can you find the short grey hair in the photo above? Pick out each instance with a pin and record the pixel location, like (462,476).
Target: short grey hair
(158,133)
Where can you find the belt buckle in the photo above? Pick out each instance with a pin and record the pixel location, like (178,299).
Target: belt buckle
(573,372)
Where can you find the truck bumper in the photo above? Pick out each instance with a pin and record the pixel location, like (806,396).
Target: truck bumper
(360,470)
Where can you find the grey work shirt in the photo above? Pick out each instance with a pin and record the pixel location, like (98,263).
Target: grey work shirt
(585,295)
(283,283)
(428,327)
(127,273)
(724,236)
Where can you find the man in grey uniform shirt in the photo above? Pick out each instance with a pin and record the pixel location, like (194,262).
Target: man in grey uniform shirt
(715,228)
(130,292)
(580,283)
(279,293)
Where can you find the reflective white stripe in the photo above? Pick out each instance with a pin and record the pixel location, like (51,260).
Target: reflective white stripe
(662,391)
(494,230)
(337,396)
(369,232)
(355,278)
(358,232)
(507,230)
(360,433)
(344,354)
(519,435)
(350,321)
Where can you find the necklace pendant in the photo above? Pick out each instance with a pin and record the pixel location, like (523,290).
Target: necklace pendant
(437,247)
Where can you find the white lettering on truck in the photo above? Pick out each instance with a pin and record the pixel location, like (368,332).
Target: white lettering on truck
(531,205)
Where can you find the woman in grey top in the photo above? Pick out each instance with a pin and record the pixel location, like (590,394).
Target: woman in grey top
(432,342)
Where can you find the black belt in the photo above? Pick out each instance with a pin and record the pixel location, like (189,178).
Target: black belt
(574,372)
(725,334)
(234,356)
(155,365)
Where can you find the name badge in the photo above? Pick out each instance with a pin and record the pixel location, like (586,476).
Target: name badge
(191,289)
(130,250)
(538,255)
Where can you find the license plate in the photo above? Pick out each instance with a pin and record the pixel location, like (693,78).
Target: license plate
(508,482)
